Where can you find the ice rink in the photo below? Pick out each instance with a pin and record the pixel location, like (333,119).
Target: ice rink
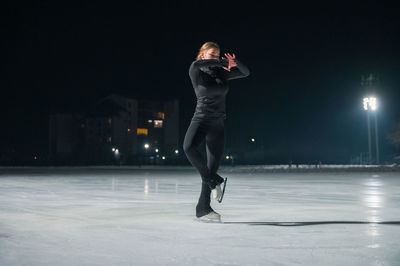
(130,216)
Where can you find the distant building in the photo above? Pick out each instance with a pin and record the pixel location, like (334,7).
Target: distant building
(116,129)
(62,136)
(159,129)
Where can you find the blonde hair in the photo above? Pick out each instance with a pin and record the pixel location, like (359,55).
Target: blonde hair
(205,47)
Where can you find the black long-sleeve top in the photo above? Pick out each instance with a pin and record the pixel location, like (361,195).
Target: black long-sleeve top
(210,83)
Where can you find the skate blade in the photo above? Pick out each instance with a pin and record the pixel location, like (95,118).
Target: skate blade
(223,190)
(207,220)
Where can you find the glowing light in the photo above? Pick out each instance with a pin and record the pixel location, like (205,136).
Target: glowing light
(227,157)
(253,140)
(365,103)
(163,157)
(373,103)
(142,131)
(113,149)
(370,103)
(176,151)
(160,115)
(146,146)
(156,150)
(158,123)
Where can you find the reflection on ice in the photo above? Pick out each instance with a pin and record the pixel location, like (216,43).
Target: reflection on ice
(146,217)
(373,199)
(373,195)
(146,186)
(113,184)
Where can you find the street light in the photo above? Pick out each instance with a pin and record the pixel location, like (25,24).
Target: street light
(370,105)
(116,154)
(229,157)
(146,149)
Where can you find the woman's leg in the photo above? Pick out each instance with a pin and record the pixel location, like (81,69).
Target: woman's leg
(194,136)
(215,144)
(203,205)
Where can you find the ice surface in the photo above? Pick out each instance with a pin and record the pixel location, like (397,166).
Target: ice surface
(122,216)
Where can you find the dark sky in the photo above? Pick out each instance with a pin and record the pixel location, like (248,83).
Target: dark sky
(302,99)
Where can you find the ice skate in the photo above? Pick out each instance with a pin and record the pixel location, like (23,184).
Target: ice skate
(218,193)
(211,217)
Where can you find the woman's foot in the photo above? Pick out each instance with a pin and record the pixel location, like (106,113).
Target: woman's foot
(215,180)
(211,217)
(215,186)
(216,192)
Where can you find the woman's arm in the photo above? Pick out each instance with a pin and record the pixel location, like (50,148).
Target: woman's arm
(210,63)
(239,71)
(196,65)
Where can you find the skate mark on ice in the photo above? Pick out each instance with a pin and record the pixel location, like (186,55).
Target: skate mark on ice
(312,223)
(4,235)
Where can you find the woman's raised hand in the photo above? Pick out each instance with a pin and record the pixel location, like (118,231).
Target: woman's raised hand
(231,60)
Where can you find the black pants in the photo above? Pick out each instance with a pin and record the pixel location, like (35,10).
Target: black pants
(213,131)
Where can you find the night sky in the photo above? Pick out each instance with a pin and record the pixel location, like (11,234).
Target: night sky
(303,98)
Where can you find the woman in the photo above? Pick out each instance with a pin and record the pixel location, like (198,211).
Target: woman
(209,75)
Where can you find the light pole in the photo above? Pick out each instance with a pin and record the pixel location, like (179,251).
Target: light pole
(369,140)
(116,154)
(146,149)
(370,105)
(376,138)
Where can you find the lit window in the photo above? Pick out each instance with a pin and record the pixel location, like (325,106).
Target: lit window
(160,115)
(142,131)
(158,123)
(150,121)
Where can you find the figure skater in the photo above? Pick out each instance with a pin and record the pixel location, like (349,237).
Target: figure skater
(209,75)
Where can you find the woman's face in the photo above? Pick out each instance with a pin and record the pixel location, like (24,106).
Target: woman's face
(211,53)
